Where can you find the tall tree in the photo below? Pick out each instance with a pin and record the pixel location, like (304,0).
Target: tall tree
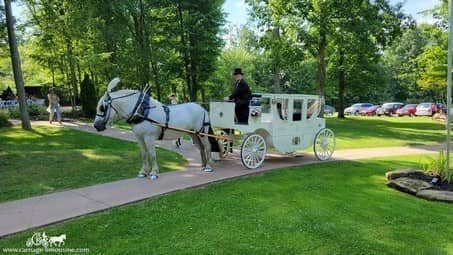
(362,30)
(17,69)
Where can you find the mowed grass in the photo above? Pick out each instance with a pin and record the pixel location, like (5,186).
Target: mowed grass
(49,159)
(367,132)
(331,208)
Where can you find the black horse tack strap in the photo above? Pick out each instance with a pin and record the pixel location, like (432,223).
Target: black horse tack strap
(141,109)
(167,119)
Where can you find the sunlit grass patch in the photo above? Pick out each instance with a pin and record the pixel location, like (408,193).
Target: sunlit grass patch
(50,159)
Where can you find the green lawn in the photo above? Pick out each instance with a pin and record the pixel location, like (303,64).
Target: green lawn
(49,159)
(331,208)
(366,132)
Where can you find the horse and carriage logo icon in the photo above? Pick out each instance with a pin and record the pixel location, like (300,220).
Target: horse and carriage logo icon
(41,239)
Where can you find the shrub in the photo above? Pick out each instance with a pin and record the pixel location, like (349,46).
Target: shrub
(14,113)
(35,111)
(4,116)
(437,166)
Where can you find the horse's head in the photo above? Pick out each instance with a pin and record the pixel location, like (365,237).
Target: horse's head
(114,105)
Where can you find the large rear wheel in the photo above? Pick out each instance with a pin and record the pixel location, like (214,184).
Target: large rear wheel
(324,144)
(253,151)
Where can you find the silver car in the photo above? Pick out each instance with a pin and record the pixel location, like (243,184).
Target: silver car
(356,108)
(426,109)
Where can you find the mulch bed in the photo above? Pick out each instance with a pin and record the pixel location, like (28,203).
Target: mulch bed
(419,183)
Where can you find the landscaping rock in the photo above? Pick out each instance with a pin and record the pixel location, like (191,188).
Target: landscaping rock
(437,195)
(408,185)
(402,173)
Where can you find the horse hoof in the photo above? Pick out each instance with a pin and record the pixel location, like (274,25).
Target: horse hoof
(208,169)
(141,175)
(153,177)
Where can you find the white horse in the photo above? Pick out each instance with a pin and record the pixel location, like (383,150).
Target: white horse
(125,104)
(57,240)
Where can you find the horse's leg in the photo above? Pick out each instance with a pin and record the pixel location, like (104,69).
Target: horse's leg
(150,146)
(197,141)
(144,171)
(207,151)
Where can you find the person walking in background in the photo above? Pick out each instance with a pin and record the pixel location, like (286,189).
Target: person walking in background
(174,100)
(54,106)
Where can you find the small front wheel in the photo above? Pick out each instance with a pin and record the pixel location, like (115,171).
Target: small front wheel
(324,144)
(225,144)
(253,151)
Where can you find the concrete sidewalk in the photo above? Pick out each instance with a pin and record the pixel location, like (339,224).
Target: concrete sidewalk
(20,215)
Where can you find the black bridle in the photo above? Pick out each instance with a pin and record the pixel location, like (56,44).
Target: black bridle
(107,106)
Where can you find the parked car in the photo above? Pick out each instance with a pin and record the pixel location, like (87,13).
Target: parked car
(389,108)
(355,108)
(426,109)
(407,110)
(369,111)
(442,108)
(328,109)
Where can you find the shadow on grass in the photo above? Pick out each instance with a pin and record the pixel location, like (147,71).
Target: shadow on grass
(332,208)
(48,159)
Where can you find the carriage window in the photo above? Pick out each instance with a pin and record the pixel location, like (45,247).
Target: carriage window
(265,105)
(297,112)
(312,108)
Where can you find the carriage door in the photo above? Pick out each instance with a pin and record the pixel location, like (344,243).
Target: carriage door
(299,116)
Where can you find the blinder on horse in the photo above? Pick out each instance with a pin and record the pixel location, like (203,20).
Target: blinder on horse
(106,107)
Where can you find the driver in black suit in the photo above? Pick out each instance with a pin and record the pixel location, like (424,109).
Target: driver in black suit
(241,97)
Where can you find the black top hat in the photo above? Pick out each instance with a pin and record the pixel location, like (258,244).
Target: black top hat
(237,71)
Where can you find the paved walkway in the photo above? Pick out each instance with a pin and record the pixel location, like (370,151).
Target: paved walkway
(20,215)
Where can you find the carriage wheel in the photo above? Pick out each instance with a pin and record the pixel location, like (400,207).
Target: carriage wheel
(324,144)
(224,144)
(253,151)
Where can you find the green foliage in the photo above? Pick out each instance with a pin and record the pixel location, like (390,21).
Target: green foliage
(88,98)
(14,113)
(433,69)
(437,166)
(35,112)
(4,119)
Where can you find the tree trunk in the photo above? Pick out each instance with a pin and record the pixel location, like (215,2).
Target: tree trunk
(276,37)
(184,51)
(72,73)
(321,59)
(203,95)
(341,84)
(17,69)
(194,89)
(156,80)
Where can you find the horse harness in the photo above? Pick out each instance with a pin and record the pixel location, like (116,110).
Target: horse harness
(141,111)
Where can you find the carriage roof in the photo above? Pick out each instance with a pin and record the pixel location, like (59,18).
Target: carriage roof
(288,96)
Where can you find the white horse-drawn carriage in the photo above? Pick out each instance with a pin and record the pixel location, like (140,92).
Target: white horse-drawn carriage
(285,122)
